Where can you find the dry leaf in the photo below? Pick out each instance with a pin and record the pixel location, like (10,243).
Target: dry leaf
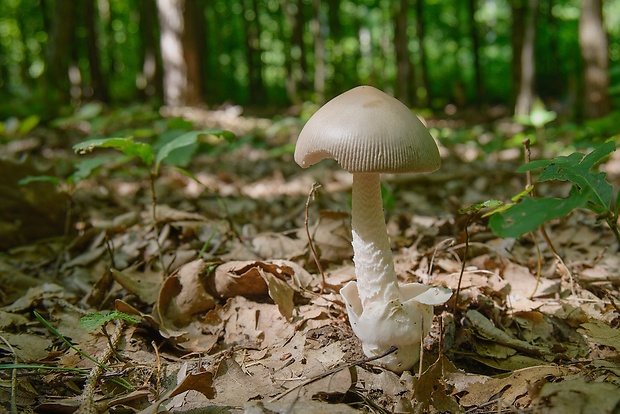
(577,395)
(183,295)
(601,333)
(144,284)
(513,390)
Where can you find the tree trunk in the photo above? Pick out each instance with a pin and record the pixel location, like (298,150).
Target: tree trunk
(401,46)
(253,50)
(61,38)
(97,81)
(337,81)
(297,64)
(475,41)
(193,49)
(179,49)
(526,85)
(425,98)
(594,50)
(149,81)
(319,52)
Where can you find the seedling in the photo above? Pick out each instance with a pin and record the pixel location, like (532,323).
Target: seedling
(590,190)
(152,159)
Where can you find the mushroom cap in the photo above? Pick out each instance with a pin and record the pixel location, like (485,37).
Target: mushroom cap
(367,130)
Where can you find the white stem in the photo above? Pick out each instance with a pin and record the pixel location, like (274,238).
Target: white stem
(374,266)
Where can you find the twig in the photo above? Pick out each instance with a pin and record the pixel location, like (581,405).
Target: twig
(333,371)
(88,395)
(315,186)
(463,262)
(13,377)
(160,253)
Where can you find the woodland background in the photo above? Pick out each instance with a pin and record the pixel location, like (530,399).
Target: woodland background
(274,54)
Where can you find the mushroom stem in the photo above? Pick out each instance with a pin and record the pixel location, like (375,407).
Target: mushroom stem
(374,265)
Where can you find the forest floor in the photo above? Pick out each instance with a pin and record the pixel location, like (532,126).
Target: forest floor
(221,307)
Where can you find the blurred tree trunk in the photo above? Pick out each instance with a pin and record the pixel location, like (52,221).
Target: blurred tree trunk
(319,52)
(194,38)
(23,37)
(423,99)
(404,72)
(296,61)
(180,52)
(516,38)
(527,57)
(475,42)
(336,85)
(253,50)
(149,80)
(62,33)
(594,50)
(97,80)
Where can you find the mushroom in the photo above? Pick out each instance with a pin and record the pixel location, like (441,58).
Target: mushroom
(368,133)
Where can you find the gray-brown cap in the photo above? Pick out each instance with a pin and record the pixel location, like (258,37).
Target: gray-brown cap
(366,130)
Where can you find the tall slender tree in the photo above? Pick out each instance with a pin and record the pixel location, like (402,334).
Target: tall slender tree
(179,53)
(62,33)
(425,99)
(404,70)
(254,52)
(319,52)
(475,43)
(595,52)
(150,81)
(98,82)
(296,60)
(526,55)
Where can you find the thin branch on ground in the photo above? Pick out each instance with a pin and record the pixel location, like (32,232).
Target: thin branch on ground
(88,395)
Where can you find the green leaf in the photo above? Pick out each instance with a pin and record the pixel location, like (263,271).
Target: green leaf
(28,124)
(532,212)
(576,168)
(186,140)
(85,168)
(39,178)
(182,141)
(479,206)
(125,145)
(92,321)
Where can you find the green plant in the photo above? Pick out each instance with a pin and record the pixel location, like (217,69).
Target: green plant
(174,152)
(15,128)
(92,321)
(590,189)
(121,381)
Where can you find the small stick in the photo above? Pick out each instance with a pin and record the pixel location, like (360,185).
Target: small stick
(13,377)
(458,288)
(315,186)
(333,371)
(88,394)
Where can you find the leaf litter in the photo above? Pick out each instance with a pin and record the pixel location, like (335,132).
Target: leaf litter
(237,320)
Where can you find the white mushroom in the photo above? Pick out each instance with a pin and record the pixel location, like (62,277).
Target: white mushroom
(368,133)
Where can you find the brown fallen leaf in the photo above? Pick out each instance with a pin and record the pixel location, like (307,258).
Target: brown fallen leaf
(278,278)
(433,391)
(200,381)
(513,390)
(183,295)
(144,284)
